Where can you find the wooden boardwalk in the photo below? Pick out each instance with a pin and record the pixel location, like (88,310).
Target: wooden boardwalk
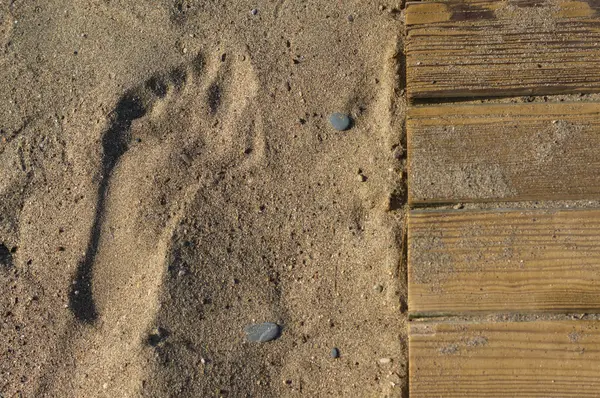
(503,299)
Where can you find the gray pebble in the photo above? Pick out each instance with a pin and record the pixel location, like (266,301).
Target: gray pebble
(378,288)
(335,353)
(340,121)
(254,11)
(262,332)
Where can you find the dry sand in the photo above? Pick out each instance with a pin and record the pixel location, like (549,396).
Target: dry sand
(168,176)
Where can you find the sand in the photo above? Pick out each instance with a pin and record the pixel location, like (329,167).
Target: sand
(168,176)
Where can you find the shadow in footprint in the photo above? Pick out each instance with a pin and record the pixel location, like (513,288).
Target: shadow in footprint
(6,261)
(115,142)
(214,98)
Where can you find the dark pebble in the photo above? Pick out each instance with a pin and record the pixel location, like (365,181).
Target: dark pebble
(335,353)
(262,332)
(340,121)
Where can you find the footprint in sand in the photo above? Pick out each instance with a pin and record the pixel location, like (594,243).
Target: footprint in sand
(164,137)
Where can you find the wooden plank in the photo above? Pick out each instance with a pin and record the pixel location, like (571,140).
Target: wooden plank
(503,152)
(458,48)
(503,261)
(513,359)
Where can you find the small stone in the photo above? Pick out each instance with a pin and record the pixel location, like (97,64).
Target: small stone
(398,152)
(335,353)
(385,361)
(378,288)
(361,178)
(340,121)
(157,336)
(254,11)
(262,332)
(350,18)
(394,379)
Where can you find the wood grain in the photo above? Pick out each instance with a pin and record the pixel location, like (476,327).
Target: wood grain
(503,152)
(463,48)
(512,359)
(503,260)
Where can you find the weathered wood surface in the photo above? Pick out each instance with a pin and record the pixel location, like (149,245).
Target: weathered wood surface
(502,261)
(504,152)
(458,48)
(505,359)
